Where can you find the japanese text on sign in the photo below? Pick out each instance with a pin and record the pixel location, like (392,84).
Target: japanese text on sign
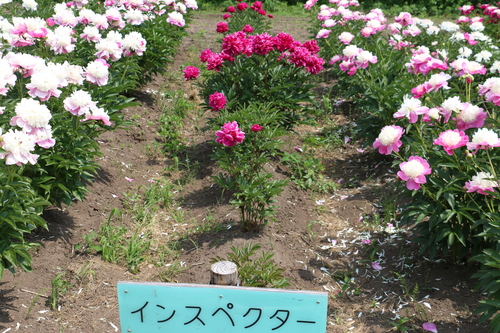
(183,308)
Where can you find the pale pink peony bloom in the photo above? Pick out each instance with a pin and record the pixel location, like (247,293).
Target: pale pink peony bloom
(18,146)
(410,109)
(30,5)
(108,49)
(414,172)
(404,19)
(61,41)
(329,23)
(44,84)
(389,140)
(97,72)
(230,134)
(368,31)
(101,22)
(86,16)
(451,139)
(79,103)
(97,113)
(74,73)
(25,63)
(64,17)
(43,137)
(133,44)
(176,18)
(464,67)
(191,4)
(91,34)
(470,116)
(7,76)
(350,51)
(323,33)
(364,58)
(324,14)
(30,115)
(480,183)
(346,37)
(491,90)
(449,105)
(134,17)
(484,138)
(437,81)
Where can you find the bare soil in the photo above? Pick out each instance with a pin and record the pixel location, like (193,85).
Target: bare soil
(203,225)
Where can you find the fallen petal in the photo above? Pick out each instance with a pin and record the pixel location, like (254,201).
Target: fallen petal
(429,327)
(129,179)
(376,266)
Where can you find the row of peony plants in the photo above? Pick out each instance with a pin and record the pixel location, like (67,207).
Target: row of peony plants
(66,70)
(430,95)
(258,86)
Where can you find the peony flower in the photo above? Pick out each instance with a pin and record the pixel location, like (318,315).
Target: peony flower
(30,115)
(410,109)
(191,72)
(346,37)
(18,146)
(133,44)
(248,29)
(97,72)
(176,18)
(484,138)
(470,116)
(389,139)
(222,27)
(108,49)
(481,183)
(230,134)
(414,172)
(217,101)
(97,114)
(491,90)
(256,128)
(323,33)
(451,139)
(44,84)
(79,103)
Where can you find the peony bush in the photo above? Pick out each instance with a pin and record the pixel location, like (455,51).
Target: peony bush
(66,70)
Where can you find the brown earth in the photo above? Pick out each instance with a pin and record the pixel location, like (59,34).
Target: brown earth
(197,224)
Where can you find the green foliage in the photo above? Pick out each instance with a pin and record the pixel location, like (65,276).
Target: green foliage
(305,171)
(259,272)
(20,209)
(59,287)
(253,188)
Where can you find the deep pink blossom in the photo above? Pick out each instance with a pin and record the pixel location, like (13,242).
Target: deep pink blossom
(248,29)
(262,44)
(414,172)
(242,6)
(235,43)
(451,140)
(389,139)
(256,128)
(230,134)
(222,27)
(191,72)
(217,101)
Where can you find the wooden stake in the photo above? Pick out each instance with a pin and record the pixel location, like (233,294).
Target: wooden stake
(224,273)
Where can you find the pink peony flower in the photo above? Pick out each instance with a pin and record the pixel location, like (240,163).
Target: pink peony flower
(248,29)
(491,90)
(414,171)
(470,116)
(18,146)
(389,139)
(217,101)
(176,18)
(484,138)
(256,128)
(346,37)
(323,33)
(98,114)
(79,103)
(451,139)
(481,183)
(230,134)
(410,109)
(222,27)
(97,72)
(191,72)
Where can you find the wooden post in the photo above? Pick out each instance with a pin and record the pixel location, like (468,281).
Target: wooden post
(224,273)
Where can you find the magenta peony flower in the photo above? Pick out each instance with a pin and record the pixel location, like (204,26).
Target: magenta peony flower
(222,27)
(217,101)
(256,128)
(248,29)
(451,139)
(191,72)
(230,134)
(389,139)
(414,171)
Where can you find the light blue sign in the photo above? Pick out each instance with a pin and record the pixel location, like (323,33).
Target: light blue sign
(186,308)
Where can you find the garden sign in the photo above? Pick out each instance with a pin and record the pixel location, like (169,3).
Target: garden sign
(186,308)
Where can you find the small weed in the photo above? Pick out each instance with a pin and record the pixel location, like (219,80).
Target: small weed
(59,287)
(261,272)
(168,274)
(309,232)
(400,324)
(411,294)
